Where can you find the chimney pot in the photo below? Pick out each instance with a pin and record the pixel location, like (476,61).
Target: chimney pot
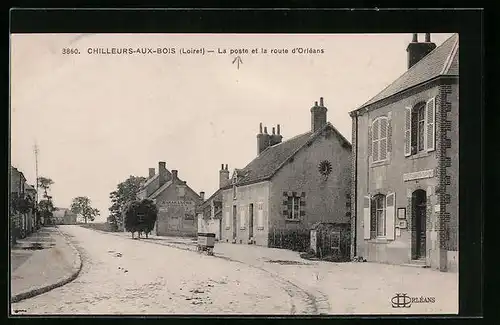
(260,128)
(415,38)
(428,37)
(202,195)
(274,131)
(316,103)
(222,167)
(278,127)
(265,129)
(151,172)
(226,166)
(321,101)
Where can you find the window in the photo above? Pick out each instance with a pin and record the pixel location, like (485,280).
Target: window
(293,207)
(420,130)
(379,139)
(378,216)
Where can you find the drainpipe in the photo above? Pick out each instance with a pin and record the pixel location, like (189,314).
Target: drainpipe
(355,198)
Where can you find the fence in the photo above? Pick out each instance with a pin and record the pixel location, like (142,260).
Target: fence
(333,241)
(296,240)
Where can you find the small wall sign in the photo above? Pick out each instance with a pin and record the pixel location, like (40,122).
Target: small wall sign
(401,213)
(402,224)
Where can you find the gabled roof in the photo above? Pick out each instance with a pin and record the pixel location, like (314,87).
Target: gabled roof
(217,196)
(442,61)
(164,187)
(270,161)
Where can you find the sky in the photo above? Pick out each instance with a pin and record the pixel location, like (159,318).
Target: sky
(97,119)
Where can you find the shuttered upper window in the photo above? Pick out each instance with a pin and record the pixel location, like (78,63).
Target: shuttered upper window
(420,128)
(380,139)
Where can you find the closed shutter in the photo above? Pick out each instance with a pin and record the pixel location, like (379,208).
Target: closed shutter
(260,216)
(366,217)
(228,219)
(389,134)
(369,141)
(390,215)
(383,139)
(375,138)
(242,217)
(430,116)
(407,131)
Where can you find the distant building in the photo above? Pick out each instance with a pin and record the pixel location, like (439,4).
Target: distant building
(64,216)
(290,185)
(405,163)
(210,212)
(176,202)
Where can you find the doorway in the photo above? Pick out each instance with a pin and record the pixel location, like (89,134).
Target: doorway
(419,207)
(234,221)
(250,221)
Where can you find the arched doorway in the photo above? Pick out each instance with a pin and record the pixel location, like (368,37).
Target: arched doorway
(419,207)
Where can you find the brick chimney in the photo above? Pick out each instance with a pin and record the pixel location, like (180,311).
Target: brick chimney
(223,176)
(263,139)
(175,177)
(418,50)
(276,137)
(162,173)
(151,172)
(318,115)
(202,195)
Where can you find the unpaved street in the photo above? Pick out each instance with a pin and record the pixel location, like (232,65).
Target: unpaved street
(125,276)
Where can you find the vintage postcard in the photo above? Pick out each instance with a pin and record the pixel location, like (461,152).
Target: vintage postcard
(234,174)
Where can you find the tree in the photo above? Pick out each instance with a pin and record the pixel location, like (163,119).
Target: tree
(125,193)
(45,183)
(81,205)
(140,216)
(46,209)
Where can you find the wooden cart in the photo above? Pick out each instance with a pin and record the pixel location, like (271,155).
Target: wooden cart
(206,242)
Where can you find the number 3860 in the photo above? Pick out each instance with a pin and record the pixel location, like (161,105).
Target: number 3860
(70,51)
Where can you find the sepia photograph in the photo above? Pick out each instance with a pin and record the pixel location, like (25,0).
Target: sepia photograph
(234,174)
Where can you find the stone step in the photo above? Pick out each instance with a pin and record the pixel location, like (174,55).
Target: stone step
(420,263)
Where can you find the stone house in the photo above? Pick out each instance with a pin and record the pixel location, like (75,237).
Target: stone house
(405,163)
(64,216)
(22,223)
(210,211)
(289,186)
(176,202)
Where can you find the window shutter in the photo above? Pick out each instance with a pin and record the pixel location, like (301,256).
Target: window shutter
(390,215)
(407,131)
(260,216)
(375,138)
(369,140)
(389,133)
(383,139)
(228,220)
(242,217)
(430,116)
(366,217)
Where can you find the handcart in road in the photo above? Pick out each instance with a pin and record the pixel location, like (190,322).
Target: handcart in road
(206,242)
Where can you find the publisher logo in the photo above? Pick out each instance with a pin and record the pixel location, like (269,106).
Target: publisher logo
(402,300)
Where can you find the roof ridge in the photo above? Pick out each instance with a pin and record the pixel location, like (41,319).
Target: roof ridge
(408,71)
(449,59)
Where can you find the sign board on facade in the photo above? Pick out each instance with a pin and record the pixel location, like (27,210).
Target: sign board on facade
(401,213)
(429,173)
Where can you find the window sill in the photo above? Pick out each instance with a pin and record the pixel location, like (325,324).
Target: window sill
(243,228)
(380,163)
(292,220)
(260,228)
(379,240)
(419,155)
